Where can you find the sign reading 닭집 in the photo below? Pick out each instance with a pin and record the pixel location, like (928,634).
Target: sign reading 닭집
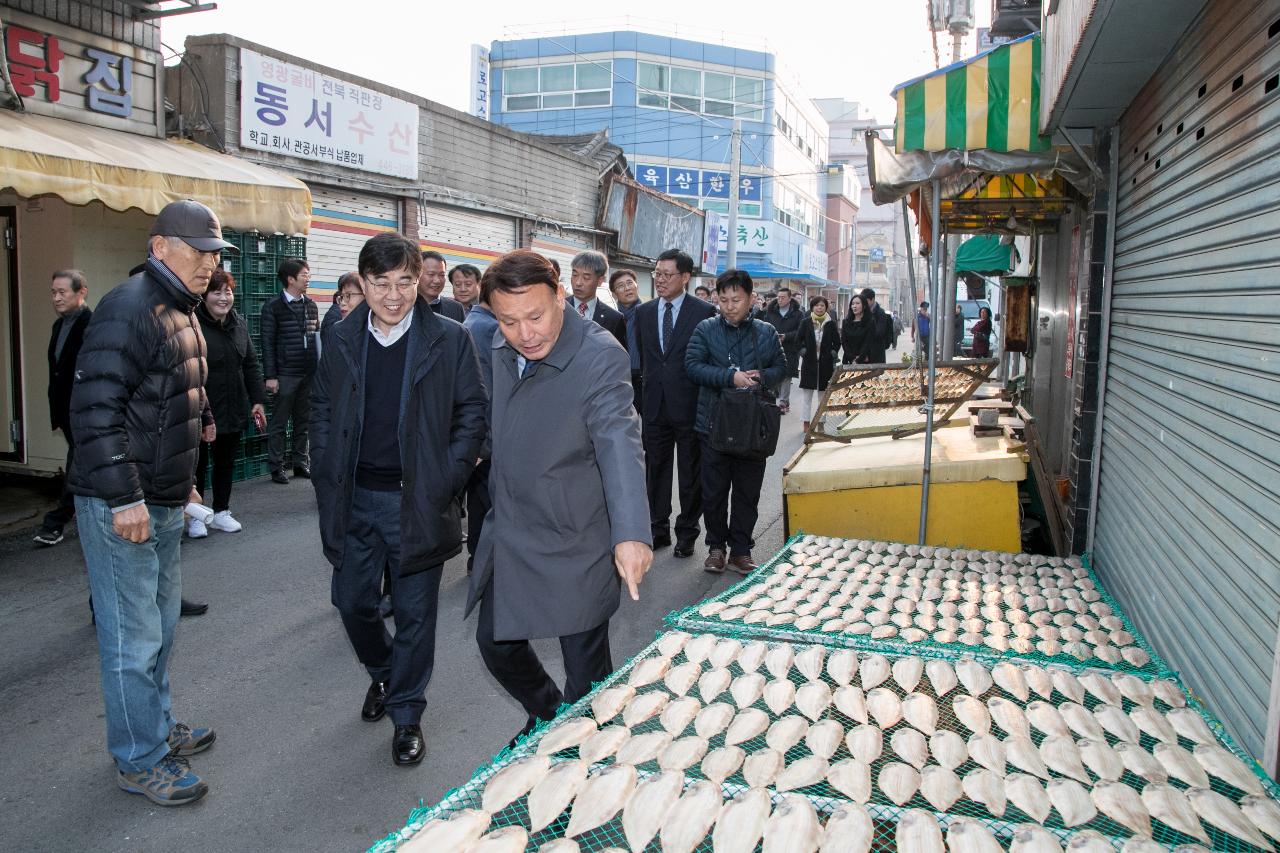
(289,109)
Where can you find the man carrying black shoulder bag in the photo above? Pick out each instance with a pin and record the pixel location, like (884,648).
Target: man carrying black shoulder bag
(736,362)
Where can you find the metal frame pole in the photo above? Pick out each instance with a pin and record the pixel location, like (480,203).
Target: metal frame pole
(935,249)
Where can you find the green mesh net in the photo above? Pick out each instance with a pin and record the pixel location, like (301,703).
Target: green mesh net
(736,611)
(825,797)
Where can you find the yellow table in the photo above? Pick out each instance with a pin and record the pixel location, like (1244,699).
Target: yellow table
(870,489)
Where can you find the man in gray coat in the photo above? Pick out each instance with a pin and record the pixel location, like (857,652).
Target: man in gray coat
(570,518)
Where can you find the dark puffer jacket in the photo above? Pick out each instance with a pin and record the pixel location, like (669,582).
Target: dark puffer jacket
(717,350)
(289,337)
(138,395)
(235,380)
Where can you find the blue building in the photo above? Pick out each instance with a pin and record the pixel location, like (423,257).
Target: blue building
(670,103)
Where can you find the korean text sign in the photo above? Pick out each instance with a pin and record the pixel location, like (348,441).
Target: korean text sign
(289,109)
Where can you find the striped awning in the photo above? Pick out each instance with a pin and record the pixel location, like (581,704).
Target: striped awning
(991,101)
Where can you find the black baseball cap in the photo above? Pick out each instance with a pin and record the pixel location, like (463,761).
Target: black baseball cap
(195,224)
(924,304)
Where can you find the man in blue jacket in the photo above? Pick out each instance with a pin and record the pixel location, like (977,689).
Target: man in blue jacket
(731,350)
(397,420)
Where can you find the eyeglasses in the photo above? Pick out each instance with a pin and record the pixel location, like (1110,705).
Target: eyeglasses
(382,288)
(658,274)
(347,295)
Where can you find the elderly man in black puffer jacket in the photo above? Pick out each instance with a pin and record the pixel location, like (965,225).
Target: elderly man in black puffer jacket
(136,409)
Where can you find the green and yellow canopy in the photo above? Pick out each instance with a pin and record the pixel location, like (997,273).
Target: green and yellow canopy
(991,101)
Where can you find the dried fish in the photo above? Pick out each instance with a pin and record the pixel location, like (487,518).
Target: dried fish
(712,683)
(1089,841)
(1181,765)
(608,702)
(1101,687)
(762,767)
(813,698)
(885,707)
(1264,812)
(602,796)
(802,773)
(602,744)
(972,714)
(648,671)
(841,666)
(1123,805)
(1216,810)
(786,732)
(793,827)
(988,751)
(1038,679)
(778,660)
(779,695)
(1189,724)
(809,662)
(965,835)
(865,743)
(1117,723)
(918,832)
(1101,759)
(722,763)
(1030,838)
(724,653)
(568,734)
(1168,805)
(848,830)
(851,702)
(672,642)
(747,689)
(910,745)
(644,707)
(1008,716)
(907,671)
(1022,754)
(740,823)
(514,781)
(752,655)
(456,832)
(747,724)
(507,839)
(851,777)
(974,677)
(1010,678)
(1080,721)
(941,676)
(681,677)
(643,747)
(1061,755)
(948,749)
(940,786)
(1222,764)
(713,719)
(648,807)
(898,781)
(1141,763)
(1168,693)
(1045,718)
(873,671)
(824,738)
(689,820)
(1152,722)
(554,793)
(1072,802)
(1133,688)
(1066,683)
(1027,794)
(921,712)
(983,786)
(697,649)
(682,753)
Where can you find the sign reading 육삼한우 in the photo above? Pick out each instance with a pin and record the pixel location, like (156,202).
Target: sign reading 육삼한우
(293,110)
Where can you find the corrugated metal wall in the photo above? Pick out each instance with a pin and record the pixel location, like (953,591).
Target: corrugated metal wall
(465,236)
(341,221)
(1188,519)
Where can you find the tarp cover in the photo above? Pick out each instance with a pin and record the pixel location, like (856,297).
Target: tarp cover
(81,163)
(990,101)
(984,254)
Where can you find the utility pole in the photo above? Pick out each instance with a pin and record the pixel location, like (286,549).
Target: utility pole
(735,180)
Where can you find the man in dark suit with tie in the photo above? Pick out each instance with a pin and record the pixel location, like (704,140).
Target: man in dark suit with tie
(69,292)
(663,328)
(431,283)
(586,275)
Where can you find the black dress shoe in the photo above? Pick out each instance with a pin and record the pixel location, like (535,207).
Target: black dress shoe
(193,608)
(279,477)
(375,702)
(661,540)
(408,746)
(684,548)
(302,471)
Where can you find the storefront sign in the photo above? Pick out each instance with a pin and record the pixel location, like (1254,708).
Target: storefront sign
(290,109)
(812,260)
(711,243)
(480,81)
(71,74)
(753,235)
(683,181)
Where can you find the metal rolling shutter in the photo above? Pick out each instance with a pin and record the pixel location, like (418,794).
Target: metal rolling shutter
(563,247)
(1188,520)
(341,221)
(466,237)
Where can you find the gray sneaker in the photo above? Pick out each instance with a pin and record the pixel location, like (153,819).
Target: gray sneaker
(169,783)
(184,740)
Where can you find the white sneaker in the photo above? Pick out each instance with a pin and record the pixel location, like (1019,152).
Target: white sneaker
(196,529)
(224,522)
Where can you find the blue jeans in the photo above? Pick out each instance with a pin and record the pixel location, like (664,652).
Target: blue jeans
(137,597)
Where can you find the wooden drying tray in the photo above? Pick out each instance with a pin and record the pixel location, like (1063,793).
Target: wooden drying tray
(869,387)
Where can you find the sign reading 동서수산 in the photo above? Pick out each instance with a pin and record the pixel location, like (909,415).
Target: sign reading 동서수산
(290,109)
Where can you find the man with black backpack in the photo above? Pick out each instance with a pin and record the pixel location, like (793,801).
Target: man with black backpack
(731,351)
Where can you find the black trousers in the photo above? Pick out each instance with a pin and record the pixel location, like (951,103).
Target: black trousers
(516,666)
(478,505)
(61,515)
(292,401)
(223,452)
(666,445)
(637,387)
(727,479)
(405,661)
